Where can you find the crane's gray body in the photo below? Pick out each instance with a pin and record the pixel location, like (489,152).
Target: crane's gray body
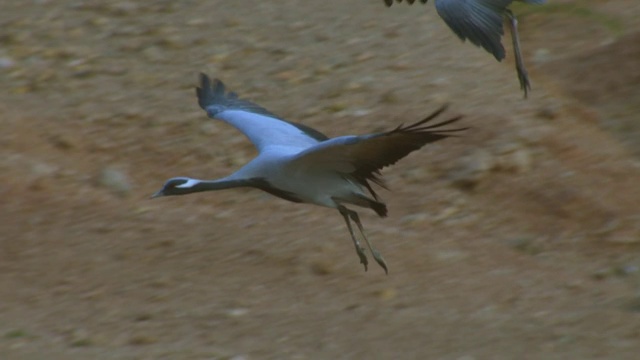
(300,164)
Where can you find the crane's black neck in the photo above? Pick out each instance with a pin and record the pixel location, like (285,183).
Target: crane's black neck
(221,184)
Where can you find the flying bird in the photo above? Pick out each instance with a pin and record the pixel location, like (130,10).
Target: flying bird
(480,21)
(300,164)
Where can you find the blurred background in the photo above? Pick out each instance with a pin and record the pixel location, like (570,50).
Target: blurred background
(520,239)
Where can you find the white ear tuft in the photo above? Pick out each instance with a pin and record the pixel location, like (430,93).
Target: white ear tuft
(190,183)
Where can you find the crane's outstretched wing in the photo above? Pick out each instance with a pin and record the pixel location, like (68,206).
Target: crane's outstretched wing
(263,128)
(362,157)
(479,21)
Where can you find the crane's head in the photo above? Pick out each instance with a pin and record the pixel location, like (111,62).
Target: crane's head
(177,186)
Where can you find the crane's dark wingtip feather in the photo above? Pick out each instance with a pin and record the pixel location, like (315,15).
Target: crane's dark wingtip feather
(206,92)
(390,2)
(418,126)
(214,99)
(379,208)
(442,123)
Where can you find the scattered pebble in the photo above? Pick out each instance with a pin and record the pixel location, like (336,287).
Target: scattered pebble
(63,142)
(154,54)
(542,56)
(513,157)
(471,169)
(40,169)
(549,112)
(6,62)
(115,180)
(622,231)
(141,339)
(526,244)
(450,255)
(79,338)
(123,8)
(237,312)
(322,268)
(417,218)
(386,294)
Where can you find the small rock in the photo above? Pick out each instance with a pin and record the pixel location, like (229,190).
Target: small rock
(336,107)
(124,8)
(174,41)
(209,128)
(386,294)
(360,112)
(389,97)
(62,142)
(321,268)
(80,337)
(622,231)
(6,63)
(601,274)
(232,22)
(466,357)
(39,169)
(446,214)
(417,218)
(633,305)
(526,244)
(142,340)
(15,334)
(364,57)
(471,169)
(549,112)
(450,255)
(416,175)
(625,270)
(237,312)
(115,180)
(197,22)
(132,45)
(542,56)
(142,317)
(99,21)
(239,357)
(154,54)
(514,158)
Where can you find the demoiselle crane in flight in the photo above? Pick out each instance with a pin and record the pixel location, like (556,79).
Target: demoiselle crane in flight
(480,21)
(300,164)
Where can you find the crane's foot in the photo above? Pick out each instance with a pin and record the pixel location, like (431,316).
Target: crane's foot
(352,215)
(363,257)
(523,77)
(380,260)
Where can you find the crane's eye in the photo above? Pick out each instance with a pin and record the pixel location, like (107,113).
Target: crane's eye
(172,185)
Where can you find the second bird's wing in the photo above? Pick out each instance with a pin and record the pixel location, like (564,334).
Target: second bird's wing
(263,128)
(362,157)
(479,21)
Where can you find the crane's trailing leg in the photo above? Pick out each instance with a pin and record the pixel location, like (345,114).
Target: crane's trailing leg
(520,69)
(359,249)
(376,254)
(352,215)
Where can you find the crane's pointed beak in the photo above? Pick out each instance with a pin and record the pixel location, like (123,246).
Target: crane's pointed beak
(158,194)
